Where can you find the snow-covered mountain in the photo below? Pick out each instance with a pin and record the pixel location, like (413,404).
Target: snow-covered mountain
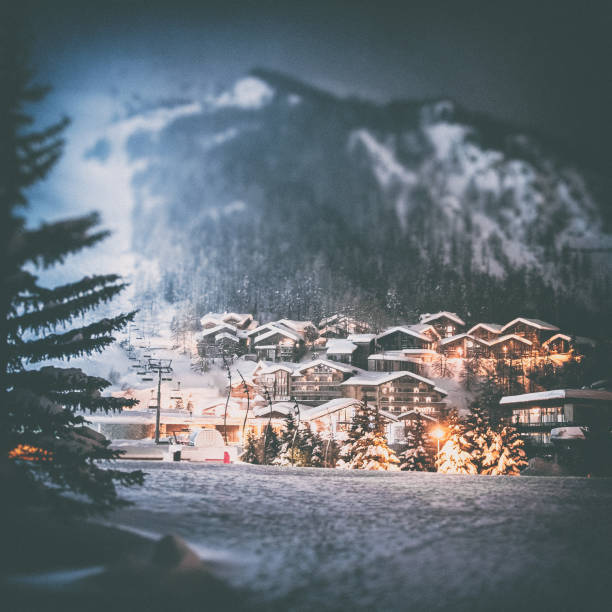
(277,196)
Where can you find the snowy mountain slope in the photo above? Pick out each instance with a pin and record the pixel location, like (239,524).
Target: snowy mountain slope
(276,196)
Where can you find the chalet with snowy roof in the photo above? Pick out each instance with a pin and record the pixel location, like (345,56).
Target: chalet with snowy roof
(340,350)
(536,415)
(394,361)
(402,337)
(221,339)
(397,433)
(510,346)
(558,344)
(397,392)
(278,343)
(446,323)
(464,346)
(240,321)
(340,326)
(333,418)
(534,330)
(275,415)
(273,380)
(485,331)
(365,347)
(319,381)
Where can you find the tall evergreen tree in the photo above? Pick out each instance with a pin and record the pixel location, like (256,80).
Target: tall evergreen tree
(251,452)
(47,455)
(270,445)
(367,448)
(415,457)
(290,443)
(455,456)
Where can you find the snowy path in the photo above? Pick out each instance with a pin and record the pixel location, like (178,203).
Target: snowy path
(334,540)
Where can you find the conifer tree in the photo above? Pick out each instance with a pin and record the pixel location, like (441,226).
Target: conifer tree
(367,448)
(415,457)
(455,456)
(290,442)
(316,449)
(479,434)
(506,454)
(251,449)
(270,445)
(48,457)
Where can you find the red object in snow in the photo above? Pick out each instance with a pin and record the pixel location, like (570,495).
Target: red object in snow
(226,457)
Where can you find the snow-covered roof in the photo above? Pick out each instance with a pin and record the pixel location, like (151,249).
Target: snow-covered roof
(218,328)
(283,408)
(416,351)
(557,337)
(531,323)
(509,337)
(380,378)
(393,356)
(228,336)
(421,328)
(330,407)
(275,367)
(406,330)
(427,317)
(494,328)
(361,338)
(339,346)
(336,365)
(277,330)
(453,338)
(298,326)
(241,318)
(563,394)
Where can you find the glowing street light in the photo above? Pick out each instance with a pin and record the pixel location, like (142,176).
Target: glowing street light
(438,434)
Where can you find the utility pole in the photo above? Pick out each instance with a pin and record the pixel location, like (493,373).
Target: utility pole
(160,367)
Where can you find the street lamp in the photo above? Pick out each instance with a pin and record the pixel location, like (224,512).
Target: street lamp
(438,434)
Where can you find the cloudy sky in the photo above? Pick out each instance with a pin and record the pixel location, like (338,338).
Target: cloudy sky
(542,64)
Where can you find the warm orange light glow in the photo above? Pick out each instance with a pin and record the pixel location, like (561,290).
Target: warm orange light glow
(29,453)
(438,433)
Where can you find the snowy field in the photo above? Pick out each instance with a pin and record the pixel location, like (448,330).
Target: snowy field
(306,539)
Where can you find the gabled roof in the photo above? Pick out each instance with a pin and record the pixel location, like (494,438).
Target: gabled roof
(494,328)
(509,337)
(427,317)
(277,330)
(532,323)
(453,338)
(406,330)
(340,347)
(556,336)
(339,403)
(283,408)
(275,367)
(380,378)
(223,335)
(298,326)
(422,328)
(242,318)
(219,328)
(336,365)
(361,338)
(568,394)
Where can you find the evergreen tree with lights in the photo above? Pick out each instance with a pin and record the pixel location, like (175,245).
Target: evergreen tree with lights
(48,457)
(271,445)
(455,456)
(415,457)
(290,442)
(367,448)
(512,458)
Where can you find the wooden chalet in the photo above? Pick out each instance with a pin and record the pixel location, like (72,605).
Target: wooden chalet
(341,350)
(558,344)
(402,337)
(397,392)
(319,381)
(486,331)
(278,343)
(394,361)
(464,346)
(447,323)
(275,379)
(511,346)
(534,330)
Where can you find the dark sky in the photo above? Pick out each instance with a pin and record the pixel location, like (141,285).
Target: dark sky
(540,64)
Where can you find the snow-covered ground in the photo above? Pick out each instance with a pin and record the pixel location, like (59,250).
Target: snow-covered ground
(314,539)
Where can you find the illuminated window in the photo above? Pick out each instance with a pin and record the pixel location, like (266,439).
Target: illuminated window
(416,389)
(428,400)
